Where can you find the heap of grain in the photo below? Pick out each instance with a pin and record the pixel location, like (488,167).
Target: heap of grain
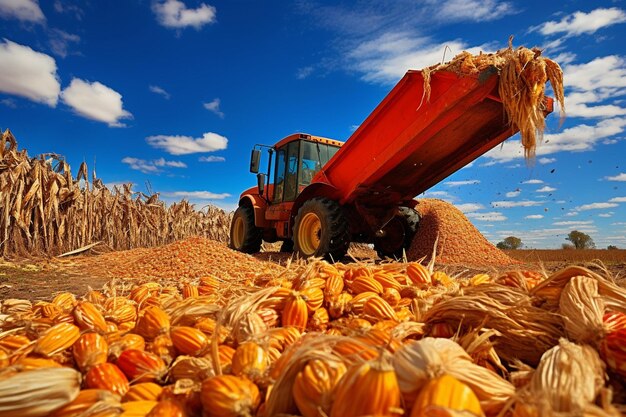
(456,241)
(44,209)
(190,258)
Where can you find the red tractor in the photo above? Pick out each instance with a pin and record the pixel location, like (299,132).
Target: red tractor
(319,194)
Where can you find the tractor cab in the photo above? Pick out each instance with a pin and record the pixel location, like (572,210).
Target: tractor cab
(293,163)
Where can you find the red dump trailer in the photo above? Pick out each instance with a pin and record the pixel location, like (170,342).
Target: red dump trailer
(319,194)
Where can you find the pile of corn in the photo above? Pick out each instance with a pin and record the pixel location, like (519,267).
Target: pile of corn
(327,340)
(188,258)
(45,210)
(456,241)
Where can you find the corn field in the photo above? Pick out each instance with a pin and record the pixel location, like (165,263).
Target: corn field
(44,209)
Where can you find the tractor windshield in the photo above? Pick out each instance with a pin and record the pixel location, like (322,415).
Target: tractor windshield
(313,156)
(296,165)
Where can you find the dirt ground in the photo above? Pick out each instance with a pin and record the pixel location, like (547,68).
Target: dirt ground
(41,279)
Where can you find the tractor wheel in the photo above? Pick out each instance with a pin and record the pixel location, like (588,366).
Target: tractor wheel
(244,235)
(399,234)
(321,229)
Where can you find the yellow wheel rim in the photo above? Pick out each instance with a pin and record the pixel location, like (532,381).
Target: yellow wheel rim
(310,233)
(238,233)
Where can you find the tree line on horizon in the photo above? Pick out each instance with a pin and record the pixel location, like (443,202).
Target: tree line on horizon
(577,240)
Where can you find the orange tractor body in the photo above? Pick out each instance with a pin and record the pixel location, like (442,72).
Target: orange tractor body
(320,194)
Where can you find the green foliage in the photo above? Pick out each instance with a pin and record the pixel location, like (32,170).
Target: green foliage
(612,247)
(580,240)
(510,242)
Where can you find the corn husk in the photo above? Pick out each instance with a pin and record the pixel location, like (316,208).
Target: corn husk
(527,331)
(568,380)
(189,367)
(418,362)
(582,309)
(38,392)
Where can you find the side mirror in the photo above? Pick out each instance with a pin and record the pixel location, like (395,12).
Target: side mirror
(255,161)
(260,179)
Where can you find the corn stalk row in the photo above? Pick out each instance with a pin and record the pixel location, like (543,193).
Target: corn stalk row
(45,210)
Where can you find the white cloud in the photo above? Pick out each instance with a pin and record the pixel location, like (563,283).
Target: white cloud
(545,161)
(618,200)
(571,214)
(461,183)
(492,216)
(386,58)
(160,91)
(513,194)
(577,104)
(574,223)
(95,101)
(596,206)
(438,193)
(183,145)
(606,215)
(469,207)
(565,58)
(606,72)
(619,177)
(546,189)
(534,216)
(60,42)
(575,139)
(161,162)
(199,195)
(511,204)
(580,23)
(304,72)
(174,14)
(9,102)
(151,167)
(212,158)
(533,182)
(472,10)
(214,107)
(65,7)
(27,73)
(442,195)
(24,10)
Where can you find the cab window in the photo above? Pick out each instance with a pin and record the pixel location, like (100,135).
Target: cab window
(291,174)
(279,178)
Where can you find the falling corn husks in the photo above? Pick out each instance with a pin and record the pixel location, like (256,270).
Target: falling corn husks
(319,340)
(523,74)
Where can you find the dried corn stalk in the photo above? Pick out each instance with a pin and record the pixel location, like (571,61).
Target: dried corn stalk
(44,209)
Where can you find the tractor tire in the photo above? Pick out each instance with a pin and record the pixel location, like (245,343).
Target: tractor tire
(321,230)
(244,235)
(399,234)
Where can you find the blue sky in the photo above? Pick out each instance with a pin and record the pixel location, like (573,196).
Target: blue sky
(174,93)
